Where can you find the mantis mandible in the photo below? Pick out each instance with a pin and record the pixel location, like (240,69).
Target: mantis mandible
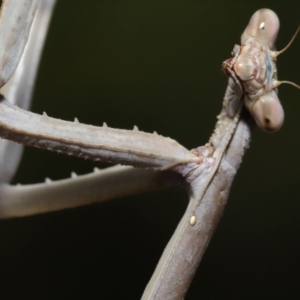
(207,172)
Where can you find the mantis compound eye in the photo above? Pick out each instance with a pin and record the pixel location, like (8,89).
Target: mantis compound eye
(263,27)
(268,112)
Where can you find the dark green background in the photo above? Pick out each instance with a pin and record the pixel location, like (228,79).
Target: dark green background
(157,65)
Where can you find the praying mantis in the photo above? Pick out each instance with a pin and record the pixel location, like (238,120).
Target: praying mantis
(190,219)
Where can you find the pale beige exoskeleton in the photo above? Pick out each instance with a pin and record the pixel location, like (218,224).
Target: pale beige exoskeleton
(206,172)
(253,68)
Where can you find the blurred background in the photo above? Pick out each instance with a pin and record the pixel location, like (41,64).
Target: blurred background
(157,65)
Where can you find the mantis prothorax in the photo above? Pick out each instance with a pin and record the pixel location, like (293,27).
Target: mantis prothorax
(254,70)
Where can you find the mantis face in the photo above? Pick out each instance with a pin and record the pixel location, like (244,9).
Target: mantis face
(253,68)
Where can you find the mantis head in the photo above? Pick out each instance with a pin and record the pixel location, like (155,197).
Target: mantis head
(254,67)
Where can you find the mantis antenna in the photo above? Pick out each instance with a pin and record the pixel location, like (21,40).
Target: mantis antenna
(274,55)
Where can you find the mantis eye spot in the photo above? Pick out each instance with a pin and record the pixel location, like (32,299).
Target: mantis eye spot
(268,112)
(262,26)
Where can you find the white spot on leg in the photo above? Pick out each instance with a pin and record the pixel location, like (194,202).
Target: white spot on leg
(48,180)
(193,220)
(74,175)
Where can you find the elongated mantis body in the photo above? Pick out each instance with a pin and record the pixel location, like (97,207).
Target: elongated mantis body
(206,171)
